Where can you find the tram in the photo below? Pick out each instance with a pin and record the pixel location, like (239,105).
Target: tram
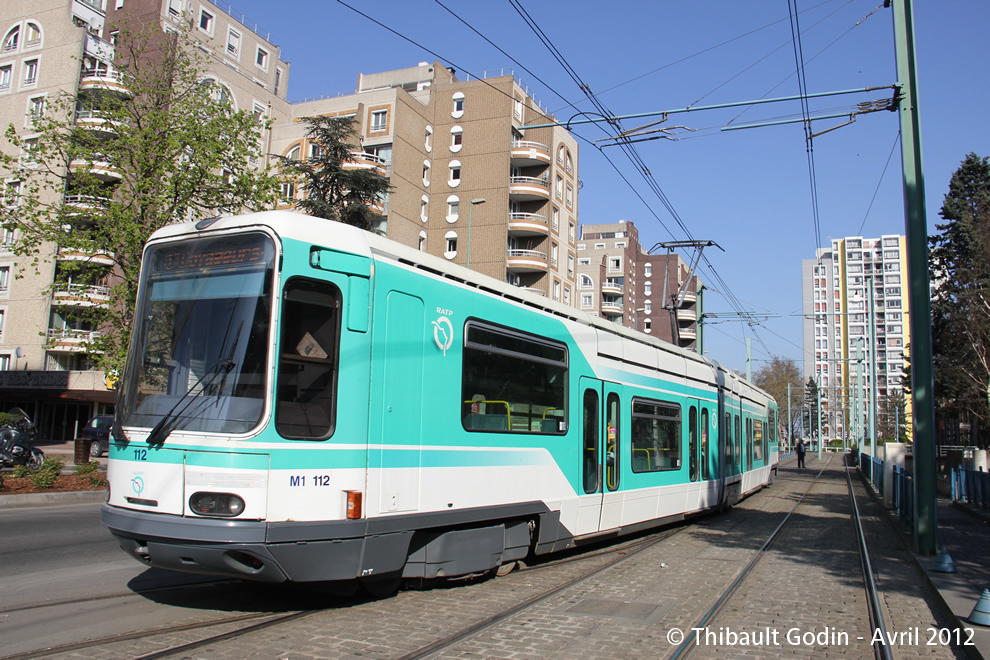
(304,401)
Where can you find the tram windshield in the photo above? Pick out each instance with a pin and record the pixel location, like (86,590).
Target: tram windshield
(199,352)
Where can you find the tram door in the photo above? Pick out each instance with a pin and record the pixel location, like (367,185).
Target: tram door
(602,435)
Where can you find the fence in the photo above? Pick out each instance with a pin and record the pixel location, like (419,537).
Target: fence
(972,486)
(903,494)
(872,467)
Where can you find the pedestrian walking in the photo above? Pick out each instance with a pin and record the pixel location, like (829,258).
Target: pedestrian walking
(800,449)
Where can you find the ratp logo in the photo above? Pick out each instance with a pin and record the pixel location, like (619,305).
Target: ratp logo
(137,484)
(443,334)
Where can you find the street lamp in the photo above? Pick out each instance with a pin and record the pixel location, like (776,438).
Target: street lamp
(636,317)
(470,209)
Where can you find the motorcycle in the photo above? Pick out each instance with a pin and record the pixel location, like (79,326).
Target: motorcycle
(17,442)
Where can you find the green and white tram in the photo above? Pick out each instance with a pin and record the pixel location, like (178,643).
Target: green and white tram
(304,401)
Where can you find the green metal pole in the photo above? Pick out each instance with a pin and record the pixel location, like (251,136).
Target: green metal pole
(701,319)
(818,415)
(916,231)
(790,421)
(871,376)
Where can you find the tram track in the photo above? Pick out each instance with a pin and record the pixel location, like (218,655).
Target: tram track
(253,622)
(709,619)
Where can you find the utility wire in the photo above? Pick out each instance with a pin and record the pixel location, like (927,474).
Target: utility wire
(897,139)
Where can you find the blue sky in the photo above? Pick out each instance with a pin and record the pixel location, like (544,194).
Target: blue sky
(747,190)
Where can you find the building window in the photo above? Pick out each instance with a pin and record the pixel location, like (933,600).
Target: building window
(567,295)
(648,306)
(647,326)
(586,282)
(379,120)
(422,241)
(517,108)
(458,110)
(174,7)
(559,187)
(570,230)
(12,194)
(31,72)
(570,265)
(556,290)
(12,40)
(451,247)
(424,208)
(4,279)
(615,264)
(555,216)
(429,139)
(33,36)
(288,191)
(5,75)
(453,208)
(455,174)
(647,270)
(426,173)
(647,288)
(584,261)
(456,138)
(233,43)
(206,21)
(570,195)
(294,153)
(553,254)
(585,300)
(261,59)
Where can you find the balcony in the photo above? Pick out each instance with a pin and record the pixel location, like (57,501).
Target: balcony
(689,333)
(96,257)
(97,122)
(364,161)
(99,167)
(690,297)
(80,295)
(613,287)
(686,316)
(67,340)
(94,80)
(528,189)
(528,224)
(527,261)
(611,307)
(529,154)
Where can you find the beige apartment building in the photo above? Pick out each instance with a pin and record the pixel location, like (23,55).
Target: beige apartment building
(621,281)
(471,183)
(53,47)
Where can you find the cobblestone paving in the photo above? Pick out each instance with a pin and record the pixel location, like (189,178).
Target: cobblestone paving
(810,581)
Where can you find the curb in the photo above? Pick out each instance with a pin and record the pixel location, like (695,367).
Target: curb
(52,499)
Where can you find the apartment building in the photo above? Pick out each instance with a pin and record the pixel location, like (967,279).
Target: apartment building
(856,327)
(479,177)
(619,280)
(54,47)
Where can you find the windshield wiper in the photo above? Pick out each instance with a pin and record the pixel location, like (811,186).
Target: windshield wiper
(165,425)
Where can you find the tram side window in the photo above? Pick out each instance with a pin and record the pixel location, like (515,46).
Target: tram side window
(772,425)
(757,440)
(612,450)
(512,381)
(704,444)
(727,430)
(749,444)
(656,436)
(737,435)
(307,374)
(693,443)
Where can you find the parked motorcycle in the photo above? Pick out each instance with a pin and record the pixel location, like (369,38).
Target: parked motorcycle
(17,442)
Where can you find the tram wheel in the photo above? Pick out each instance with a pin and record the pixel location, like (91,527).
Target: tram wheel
(382,586)
(506,568)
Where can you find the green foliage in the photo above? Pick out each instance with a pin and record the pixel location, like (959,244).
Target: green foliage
(98,479)
(87,468)
(182,153)
(773,377)
(21,471)
(333,192)
(959,262)
(7,419)
(48,473)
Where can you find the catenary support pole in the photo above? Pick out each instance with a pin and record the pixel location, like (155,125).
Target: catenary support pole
(916,232)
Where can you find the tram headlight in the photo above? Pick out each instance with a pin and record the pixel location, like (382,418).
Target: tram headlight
(216,504)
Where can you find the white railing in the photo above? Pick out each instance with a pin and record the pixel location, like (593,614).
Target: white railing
(527,144)
(82,290)
(528,254)
(529,181)
(528,217)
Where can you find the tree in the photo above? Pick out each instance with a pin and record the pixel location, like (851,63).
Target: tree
(97,173)
(815,407)
(891,418)
(959,260)
(773,377)
(333,191)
